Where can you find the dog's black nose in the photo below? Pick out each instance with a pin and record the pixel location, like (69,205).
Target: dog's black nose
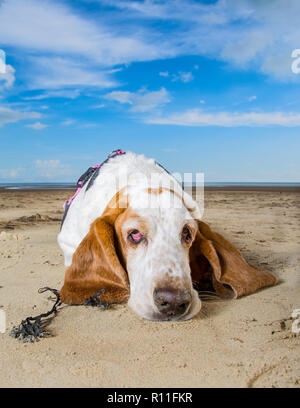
(172,302)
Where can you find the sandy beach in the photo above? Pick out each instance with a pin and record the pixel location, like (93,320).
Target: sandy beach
(243,343)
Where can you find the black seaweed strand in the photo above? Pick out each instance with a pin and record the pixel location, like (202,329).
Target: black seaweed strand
(31,328)
(95,301)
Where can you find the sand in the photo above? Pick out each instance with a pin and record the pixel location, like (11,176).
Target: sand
(243,343)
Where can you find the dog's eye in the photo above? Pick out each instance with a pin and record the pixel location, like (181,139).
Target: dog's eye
(135,236)
(186,235)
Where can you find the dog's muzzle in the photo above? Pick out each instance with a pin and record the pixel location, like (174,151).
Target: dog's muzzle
(172,303)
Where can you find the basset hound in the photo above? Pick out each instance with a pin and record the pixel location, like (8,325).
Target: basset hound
(134,232)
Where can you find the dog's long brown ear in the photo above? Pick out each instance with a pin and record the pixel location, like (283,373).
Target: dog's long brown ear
(218,265)
(96,264)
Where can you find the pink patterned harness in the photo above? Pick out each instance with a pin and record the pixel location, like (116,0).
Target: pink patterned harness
(88,176)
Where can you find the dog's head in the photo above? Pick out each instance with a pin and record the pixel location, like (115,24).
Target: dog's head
(155,234)
(139,249)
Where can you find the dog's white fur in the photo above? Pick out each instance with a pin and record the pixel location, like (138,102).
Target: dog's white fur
(164,257)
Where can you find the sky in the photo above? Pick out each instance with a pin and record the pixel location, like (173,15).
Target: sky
(201,86)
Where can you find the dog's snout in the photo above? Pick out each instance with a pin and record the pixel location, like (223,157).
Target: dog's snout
(171,302)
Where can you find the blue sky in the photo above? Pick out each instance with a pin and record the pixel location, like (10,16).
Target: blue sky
(201,86)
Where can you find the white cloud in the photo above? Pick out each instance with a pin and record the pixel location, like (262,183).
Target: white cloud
(52,168)
(252,98)
(247,33)
(89,125)
(73,50)
(202,101)
(183,77)
(36,25)
(37,126)
(45,164)
(58,72)
(141,101)
(49,169)
(187,10)
(65,93)
(68,122)
(180,76)
(7,78)
(11,173)
(8,115)
(100,106)
(197,117)
(121,96)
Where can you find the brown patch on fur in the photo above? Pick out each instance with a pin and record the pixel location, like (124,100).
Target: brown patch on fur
(126,245)
(160,190)
(96,263)
(218,264)
(155,190)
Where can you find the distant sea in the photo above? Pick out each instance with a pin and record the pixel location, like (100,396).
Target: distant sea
(251,184)
(38,186)
(70,186)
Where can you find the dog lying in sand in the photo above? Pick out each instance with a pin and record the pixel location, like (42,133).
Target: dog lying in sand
(133,232)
